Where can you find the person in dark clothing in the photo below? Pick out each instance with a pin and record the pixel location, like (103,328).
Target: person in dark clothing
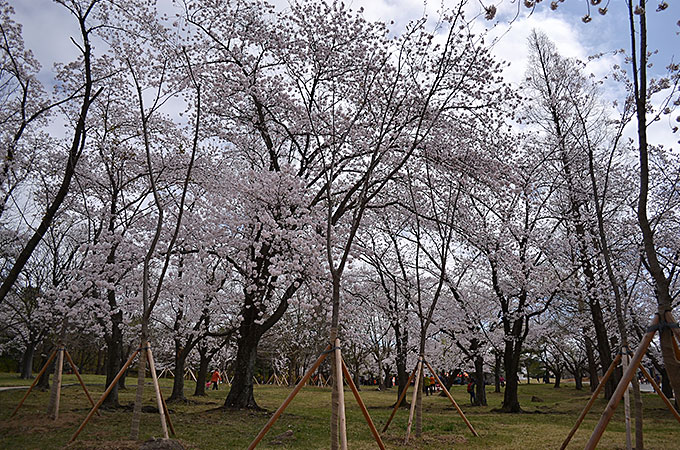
(471,391)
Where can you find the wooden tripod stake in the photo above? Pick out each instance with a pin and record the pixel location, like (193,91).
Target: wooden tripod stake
(401,398)
(419,375)
(342,420)
(42,371)
(162,407)
(448,394)
(300,385)
(55,392)
(593,397)
(623,384)
(159,398)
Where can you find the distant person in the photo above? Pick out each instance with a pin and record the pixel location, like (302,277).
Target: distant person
(502,380)
(471,391)
(433,385)
(215,380)
(426,385)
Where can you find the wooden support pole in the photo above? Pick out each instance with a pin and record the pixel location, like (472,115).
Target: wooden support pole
(104,395)
(625,362)
(401,398)
(55,394)
(623,385)
(419,375)
(364,411)
(661,394)
(593,397)
(290,398)
(342,420)
(35,381)
(75,370)
(157,388)
(448,394)
(167,415)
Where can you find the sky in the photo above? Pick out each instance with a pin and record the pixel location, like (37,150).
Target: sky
(47,28)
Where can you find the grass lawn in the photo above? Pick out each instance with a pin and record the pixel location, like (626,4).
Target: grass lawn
(201,424)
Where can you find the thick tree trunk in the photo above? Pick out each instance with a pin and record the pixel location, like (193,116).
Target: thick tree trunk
(44,381)
(99,365)
(480,386)
(202,375)
(666,387)
(603,347)
(178,382)
(592,365)
(558,379)
(27,361)
(241,392)
(114,351)
(510,396)
(386,378)
(497,372)
(578,379)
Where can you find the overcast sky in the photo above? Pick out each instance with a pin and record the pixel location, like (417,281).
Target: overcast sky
(47,28)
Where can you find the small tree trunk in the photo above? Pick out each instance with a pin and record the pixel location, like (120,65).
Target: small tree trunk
(55,393)
(337,384)
(637,402)
(419,406)
(137,411)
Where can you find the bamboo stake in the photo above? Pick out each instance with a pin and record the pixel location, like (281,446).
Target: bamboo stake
(167,415)
(413,401)
(342,420)
(658,391)
(104,395)
(353,387)
(448,394)
(623,385)
(55,397)
(593,397)
(401,399)
(35,381)
(75,370)
(159,400)
(290,398)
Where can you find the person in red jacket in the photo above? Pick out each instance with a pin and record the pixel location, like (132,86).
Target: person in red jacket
(215,379)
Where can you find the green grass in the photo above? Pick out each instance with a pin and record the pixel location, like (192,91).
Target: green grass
(201,425)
